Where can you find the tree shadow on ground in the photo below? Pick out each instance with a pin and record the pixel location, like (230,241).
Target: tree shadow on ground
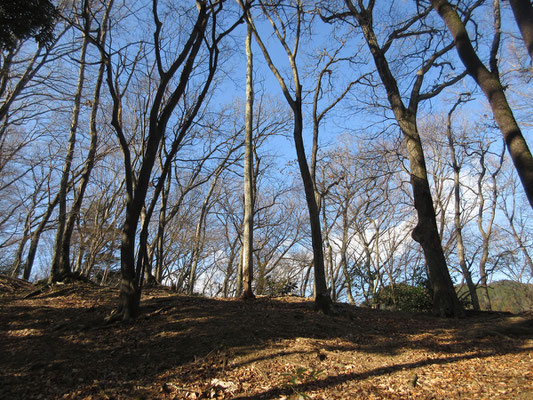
(58,346)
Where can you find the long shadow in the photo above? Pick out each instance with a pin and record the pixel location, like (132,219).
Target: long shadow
(343,378)
(70,351)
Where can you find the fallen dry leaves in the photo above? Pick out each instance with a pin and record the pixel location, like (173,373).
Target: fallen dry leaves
(56,346)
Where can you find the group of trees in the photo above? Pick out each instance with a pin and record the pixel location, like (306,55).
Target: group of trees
(126,135)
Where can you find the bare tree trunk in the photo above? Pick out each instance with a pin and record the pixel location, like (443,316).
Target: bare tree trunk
(486,232)
(161,111)
(322,298)
(489,82)
(35,237)
(344,260)
(161,226)
(61,269)
(199,234)
(91,155)
(248,228)
(445,301)
(523,13)
(457,215)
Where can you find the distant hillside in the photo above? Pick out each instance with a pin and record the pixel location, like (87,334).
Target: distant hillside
(507,295)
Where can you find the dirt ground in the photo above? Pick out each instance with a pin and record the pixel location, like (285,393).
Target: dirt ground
(56,345)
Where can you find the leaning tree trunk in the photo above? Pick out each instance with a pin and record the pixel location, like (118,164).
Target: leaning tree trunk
(160,114)
(523,13)
(490,83)
(445,301)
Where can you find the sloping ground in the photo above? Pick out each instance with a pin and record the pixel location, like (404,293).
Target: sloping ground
(56,346)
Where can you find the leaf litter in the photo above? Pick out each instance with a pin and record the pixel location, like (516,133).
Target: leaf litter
(56,345)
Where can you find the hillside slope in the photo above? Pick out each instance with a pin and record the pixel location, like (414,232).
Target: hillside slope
(507,296)
(56,346)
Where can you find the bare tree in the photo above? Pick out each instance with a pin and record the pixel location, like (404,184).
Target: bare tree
(426,233)
(457,209)
(61,267)
(164,102)
(294,99)
(489,82)
(248,232)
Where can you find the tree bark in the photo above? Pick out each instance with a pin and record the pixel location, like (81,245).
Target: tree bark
(490,84)
(64,258)
(160,113)
(445,301)
(457,214)
(344,258)
(60,269)
(322,298)
(523,13)
(248,228)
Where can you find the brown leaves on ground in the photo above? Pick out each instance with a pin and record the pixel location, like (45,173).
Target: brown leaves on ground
(57,346)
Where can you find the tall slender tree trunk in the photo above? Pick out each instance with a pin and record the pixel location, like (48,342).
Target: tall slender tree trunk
(457,214)
(199,234)
(490,84)
(64,258)
(21,245)
(294,99)
(344,258)
(248,223)
(486,232)
(35,237)
(60,269)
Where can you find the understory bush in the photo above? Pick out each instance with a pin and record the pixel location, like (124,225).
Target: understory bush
(404,297)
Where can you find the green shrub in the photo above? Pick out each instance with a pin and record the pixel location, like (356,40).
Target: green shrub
(279,287)
(404,297)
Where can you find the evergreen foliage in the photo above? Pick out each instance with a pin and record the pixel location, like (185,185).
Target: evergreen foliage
(20,20)
(404,297)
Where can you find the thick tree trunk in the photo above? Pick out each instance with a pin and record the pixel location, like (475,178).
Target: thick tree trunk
(523,13)
(489,82)
(322,297)
(445,301)
(248,228)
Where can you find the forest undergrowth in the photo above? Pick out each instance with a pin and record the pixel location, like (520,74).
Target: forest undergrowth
(57,345)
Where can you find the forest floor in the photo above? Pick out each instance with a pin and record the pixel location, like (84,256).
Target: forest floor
(56,345)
